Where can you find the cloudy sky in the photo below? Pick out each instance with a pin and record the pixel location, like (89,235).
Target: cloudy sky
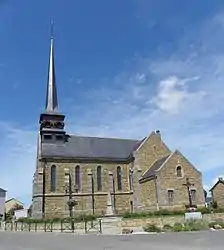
(124,68)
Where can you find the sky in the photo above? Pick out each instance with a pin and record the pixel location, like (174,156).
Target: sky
(123,69)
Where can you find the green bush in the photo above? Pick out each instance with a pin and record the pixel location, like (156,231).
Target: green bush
(204,210)
(167,228)
(76,219)
(218,210)
(219,222)
(151,214)
(151,228)
(178,227)
(196,225)
(137,215)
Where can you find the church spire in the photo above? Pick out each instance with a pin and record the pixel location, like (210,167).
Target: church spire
(51,121)
(51,98)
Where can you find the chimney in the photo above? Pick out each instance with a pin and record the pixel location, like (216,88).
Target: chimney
(220,178)
(158,133)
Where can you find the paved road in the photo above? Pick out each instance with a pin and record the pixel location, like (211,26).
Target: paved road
(174,241)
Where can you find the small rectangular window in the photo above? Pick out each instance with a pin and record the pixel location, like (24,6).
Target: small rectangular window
(47,137)
(170,194)
(59,137)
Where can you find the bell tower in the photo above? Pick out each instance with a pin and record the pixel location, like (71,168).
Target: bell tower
(51,120)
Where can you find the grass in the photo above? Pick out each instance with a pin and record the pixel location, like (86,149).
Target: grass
(167,213)
(191,225)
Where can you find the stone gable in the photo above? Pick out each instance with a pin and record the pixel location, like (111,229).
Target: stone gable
(168,179)
(218,194)
(151,149)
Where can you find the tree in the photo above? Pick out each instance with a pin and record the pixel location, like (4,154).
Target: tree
(9,215)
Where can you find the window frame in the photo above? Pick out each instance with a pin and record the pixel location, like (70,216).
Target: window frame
(170,198)
(179,169)
(99,178)
(119,178)
(78,177)
(53,176)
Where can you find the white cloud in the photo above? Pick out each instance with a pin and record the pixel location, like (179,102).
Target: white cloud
(173,94)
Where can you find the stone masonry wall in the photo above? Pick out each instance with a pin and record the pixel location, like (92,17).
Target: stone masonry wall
(218,195)
(56,202)
(160,221)
(152,148)
(167,179)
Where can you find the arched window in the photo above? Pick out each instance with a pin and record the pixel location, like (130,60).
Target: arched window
(99,178)
(53,178)
(179,171)
(119,178)
(130,179)
(77,178)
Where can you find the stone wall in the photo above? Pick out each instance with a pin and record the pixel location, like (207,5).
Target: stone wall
(167,179)
(218,194)
(56,202)
(160,221)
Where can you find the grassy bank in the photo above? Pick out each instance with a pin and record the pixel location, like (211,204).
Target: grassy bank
(191,225)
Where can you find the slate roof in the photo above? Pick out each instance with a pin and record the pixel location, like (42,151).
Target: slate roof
(155,166)
(219,181)
(2,190)
(91,148)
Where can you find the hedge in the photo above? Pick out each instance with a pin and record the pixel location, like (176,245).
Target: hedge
(76,219)
(158,213)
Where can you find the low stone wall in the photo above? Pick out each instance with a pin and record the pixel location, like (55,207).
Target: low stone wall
(162,220)
(111,225)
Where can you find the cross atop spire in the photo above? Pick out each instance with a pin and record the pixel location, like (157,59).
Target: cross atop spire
(51,98)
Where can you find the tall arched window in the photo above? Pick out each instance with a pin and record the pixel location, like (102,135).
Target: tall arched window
(179,171)
(99,178)
(77,177)
(119,178)
(130,179)
(53,178)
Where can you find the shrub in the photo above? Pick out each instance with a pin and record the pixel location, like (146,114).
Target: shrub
(178,227)
(137,215)
(212,224)
(196,225)
(219,222)
(151,228)
(218,210)
(214,204)
(204,210)
(167,228)
(150,214)
(76,219)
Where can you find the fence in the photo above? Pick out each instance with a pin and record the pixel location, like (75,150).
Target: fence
(94,226)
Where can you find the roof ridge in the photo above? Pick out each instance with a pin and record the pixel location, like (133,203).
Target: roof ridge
(99,137)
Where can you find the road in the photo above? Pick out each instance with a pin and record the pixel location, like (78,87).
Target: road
(173,241)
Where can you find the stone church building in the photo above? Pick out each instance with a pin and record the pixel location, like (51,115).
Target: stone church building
(105,176)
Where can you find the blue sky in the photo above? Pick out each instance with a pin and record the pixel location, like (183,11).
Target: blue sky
(124,68)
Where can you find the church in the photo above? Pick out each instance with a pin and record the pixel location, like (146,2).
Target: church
(106,176)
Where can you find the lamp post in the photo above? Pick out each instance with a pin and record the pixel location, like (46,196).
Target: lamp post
(42,172)
(131,186)
(113,188)
(68,189)
(92,190)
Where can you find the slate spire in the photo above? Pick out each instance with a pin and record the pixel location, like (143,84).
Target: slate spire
(51,98)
